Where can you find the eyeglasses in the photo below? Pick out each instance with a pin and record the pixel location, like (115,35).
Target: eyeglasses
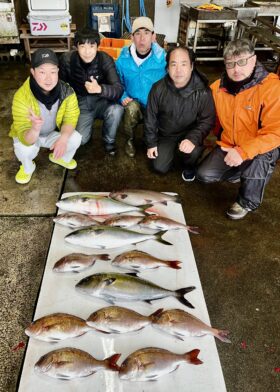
(240,62)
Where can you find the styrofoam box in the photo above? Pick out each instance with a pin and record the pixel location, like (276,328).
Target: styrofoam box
(50,5)
(58,24)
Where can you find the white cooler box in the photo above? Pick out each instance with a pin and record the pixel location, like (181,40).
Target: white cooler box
(43,24)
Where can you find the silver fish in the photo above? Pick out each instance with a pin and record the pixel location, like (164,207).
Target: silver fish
(123,221)
(106,237)
(157,222)
(114,287)
(95,205)
(138,197)
(148,364)
(75,220)
(138,261)
(56,327)
(68,363)
(182,324)
(116,319)
(77,262)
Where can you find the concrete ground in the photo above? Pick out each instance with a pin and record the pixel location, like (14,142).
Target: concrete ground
(238,262)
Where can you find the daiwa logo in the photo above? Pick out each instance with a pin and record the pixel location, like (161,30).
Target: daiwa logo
(39,26)
(45,55)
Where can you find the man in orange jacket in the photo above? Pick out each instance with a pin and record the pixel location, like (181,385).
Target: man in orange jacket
(247,100)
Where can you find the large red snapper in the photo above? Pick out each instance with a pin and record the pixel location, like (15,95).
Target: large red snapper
(68,363)
(148,364)
(182,324)
(56,327)
(160,223)
(77,262)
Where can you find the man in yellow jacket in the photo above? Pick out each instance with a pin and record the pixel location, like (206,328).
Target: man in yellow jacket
(247,101)
(45,113)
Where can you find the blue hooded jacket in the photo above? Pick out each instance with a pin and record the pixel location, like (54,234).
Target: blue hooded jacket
(137,80)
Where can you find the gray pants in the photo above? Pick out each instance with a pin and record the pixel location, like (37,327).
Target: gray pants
(25,154)
(254,174)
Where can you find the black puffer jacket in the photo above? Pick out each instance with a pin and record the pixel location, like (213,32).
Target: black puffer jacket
(102,68)
(186,113)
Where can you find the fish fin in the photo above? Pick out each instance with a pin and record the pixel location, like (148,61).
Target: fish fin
(180,296)
(175,264)
(193,229)
(99,330)
(109,299)
(104,256)
(109,281)
(156,315)
(164,202)
(223,336)
(131,274)
(191,357)
(112,362)
(160,239)
(149,301)
(123,196)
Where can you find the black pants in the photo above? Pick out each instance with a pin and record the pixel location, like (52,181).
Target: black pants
(167,148)
(254,174)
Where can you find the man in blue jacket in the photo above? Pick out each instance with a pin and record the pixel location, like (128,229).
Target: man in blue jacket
(139,65)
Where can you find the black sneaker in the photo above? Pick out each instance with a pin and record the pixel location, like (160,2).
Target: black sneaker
(111,151)
(188,175)
(236,211)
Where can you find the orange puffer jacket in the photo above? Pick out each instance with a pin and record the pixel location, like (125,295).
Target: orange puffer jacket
(250,120)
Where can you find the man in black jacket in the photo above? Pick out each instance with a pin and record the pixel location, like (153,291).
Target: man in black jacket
(180,113)
(93,76)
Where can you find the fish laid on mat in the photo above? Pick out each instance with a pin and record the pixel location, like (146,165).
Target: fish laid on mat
(138,197)
(56,327)
(138,261)
(148,364)
(182,324)
(114,287)
(160,223)
(116,319)
(95,205)
(105,237)
(123,221)
(75,220)
(77,262)
(68,363)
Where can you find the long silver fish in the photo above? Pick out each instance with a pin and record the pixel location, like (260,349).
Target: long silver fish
(138,261)
(157,222)
(77,262)
(56,327)
(75,220)
(95,205)
(114,287)
(138,197)
(148,364)
(68,363)
(123,221)
(116,319)
(182,324)
(106,237)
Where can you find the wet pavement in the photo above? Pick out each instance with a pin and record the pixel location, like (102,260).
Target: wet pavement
(238,262)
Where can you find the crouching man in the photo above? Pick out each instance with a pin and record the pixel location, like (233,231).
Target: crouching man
(247,100)
(45,113)
(180,114)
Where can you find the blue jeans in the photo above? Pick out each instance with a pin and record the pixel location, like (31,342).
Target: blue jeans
(92,107)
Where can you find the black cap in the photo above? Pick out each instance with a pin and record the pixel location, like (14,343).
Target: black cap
(43,56)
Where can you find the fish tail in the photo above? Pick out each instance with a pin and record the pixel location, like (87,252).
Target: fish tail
(112,362)
(177,199)
(104,256)
(191,357)
(175,264)
(180,295)
(223,335)
(160,239)
(156,315)
(193,229)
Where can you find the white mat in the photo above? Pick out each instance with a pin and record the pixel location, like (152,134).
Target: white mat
(58,294)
